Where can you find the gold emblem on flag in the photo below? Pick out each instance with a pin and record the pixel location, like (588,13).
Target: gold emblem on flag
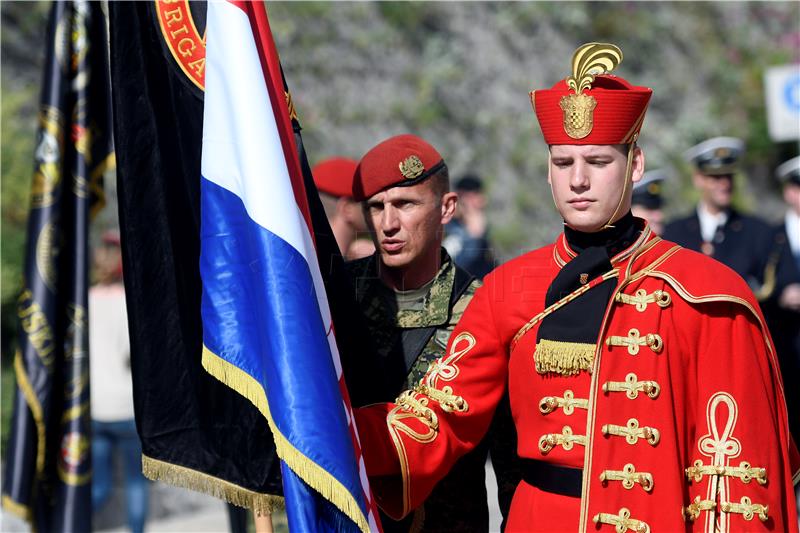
(590,60)
(411,167)
(48,154)
(183,39)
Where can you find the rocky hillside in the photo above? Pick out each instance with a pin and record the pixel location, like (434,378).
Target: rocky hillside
(459,73)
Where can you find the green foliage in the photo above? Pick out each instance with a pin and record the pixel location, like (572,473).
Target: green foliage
(458,73)
(408,17)
(17,136)
(7,390)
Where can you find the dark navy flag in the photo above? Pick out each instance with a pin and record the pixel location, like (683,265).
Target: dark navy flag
(267,326)
(196,432)
(48,463)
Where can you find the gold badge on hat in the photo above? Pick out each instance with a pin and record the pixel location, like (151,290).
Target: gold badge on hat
(590,60)
(411,167)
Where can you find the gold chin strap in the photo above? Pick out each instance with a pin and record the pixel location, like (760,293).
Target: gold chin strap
(628,168)
(550,180)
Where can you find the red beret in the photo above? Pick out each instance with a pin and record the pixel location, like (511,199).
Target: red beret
(403,160)
(592,107)
(335,176)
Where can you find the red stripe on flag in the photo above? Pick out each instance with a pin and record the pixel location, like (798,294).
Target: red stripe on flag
(271,66)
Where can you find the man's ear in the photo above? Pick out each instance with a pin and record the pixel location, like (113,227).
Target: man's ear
(637,166)
(449,203)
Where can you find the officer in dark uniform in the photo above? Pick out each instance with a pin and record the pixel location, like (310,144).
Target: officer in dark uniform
(788,175)
(740,241)
(783,311)
(647,199)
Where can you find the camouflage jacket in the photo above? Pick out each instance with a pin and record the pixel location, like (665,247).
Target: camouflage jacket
(385,322)
(458,503)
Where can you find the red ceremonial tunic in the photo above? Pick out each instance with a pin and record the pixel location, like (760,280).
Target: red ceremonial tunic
(680,426)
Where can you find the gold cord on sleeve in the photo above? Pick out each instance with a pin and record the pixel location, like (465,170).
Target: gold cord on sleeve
(622,521)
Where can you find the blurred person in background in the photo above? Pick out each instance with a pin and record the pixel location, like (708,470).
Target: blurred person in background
(334,180)
(647,200)
(784,313)
(113,425)
(788,175)
(466,236)
(717,229)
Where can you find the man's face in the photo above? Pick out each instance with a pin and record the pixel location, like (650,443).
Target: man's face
(471,200)
(107,262)
(791,194)
(715,191)
(587,182)
(406,224)
(654,217)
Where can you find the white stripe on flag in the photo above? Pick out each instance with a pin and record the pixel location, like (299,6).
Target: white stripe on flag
(242,150)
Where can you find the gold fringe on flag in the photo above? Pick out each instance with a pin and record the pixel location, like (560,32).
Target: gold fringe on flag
(22,512)
(310,472)
(565,358)
(36,409)
(180,476)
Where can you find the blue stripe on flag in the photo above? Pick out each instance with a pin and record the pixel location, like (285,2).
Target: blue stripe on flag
(315,515)
(260,314)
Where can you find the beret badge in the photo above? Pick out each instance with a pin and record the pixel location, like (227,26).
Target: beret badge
(411,167)
(590,60)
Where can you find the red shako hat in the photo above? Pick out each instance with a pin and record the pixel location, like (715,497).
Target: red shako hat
(400,161)
(591,106)
(334,176)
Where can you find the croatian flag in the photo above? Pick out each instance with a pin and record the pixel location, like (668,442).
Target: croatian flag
(267,329)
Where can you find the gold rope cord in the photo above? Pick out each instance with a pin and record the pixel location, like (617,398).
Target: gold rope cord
(559,304)
(628,167)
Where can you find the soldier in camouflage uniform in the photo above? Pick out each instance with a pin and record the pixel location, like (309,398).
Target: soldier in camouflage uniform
(412,295)
(389,312)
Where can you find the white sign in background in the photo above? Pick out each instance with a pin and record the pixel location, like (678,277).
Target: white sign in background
(782,93)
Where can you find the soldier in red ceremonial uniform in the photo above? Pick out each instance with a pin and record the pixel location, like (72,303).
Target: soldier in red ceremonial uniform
(643,382)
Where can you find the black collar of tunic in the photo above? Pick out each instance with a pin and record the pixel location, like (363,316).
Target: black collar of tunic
(614,239)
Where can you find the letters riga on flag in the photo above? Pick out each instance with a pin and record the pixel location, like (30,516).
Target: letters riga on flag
(267,329)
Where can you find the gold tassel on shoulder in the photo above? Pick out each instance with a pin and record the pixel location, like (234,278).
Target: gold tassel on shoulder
(565,358)
(180,476)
